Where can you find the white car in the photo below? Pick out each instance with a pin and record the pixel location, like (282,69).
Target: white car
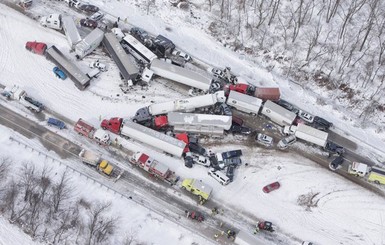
(185,56)
(264,139)
(97,16)
(286,142)
(306,116)
(97,64)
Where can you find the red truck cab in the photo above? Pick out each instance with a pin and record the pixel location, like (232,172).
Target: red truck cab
(113,124)
(160,122)
(242,88)
(183,137)
(84,128)
(36,47)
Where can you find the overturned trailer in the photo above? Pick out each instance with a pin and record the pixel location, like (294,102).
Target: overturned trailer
(71,31)
(180,75)
(129,71)
(199,123)
(80,79)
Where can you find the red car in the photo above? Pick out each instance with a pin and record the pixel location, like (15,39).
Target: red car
(36,47)
(271,187)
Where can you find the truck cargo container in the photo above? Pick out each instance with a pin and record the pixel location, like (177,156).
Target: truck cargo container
(188,104)
(89,43)
(199,123)
(153,138)
(278,114)
(198,188)
(272,94)
(129,71)
(71,31)
(154,167)
(244,103)
(307,133)
(80,79)
(180,75)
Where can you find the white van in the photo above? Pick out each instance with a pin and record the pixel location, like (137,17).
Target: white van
(243,102)
(219,176)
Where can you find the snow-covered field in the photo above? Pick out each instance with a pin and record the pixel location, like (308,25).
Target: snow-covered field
(343,213)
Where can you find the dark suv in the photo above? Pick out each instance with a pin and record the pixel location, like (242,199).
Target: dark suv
(236,129)
(336,163)
(230,172)
(334,148)
(321,123)
(195,148)
(231,154)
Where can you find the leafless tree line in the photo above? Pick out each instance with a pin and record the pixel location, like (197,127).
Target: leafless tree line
(343,39)
(48,211)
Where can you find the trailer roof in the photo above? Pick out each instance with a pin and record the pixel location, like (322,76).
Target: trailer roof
(119,55)
(200,185)
(60,60)
(70,29)
(245,98)
(220,121)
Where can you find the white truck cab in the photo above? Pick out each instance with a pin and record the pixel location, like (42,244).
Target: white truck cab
(358,169)
(52,21)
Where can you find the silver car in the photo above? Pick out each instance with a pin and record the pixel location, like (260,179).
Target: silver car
(306,116)
(286,142)
(264,139)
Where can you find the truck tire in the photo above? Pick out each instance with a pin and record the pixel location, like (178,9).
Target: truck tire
(377,182)
(183,188)
(104,128)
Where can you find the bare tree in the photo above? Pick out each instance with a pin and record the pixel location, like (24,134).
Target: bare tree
(332,7)
(274,6)
(60,192)
(5,164)
(10,199)
(370,21)
(98,225)
(69,219)
(27,179)
(354,7)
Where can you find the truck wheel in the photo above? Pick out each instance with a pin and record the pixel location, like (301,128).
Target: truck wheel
(183,188)
(377,182)
(104,128)
(135,121)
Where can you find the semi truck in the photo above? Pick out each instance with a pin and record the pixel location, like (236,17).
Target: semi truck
(308,134)
(278,114)
(86,129)
(198,188)
(154,167)
(16,93)
(89,43)
(52,21)
(103,166)
(185,105)
(199,123)
(180,75)
(145,135)
(244,103)
(71,31)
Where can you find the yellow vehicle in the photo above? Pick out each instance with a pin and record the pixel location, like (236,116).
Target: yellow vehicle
(198,188)
(377,175)
(96,161)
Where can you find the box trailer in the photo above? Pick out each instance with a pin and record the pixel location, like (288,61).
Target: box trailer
(311,135)
(137,49)
(272,94)
(80,79)
(71,31)
(89,43)
(180,75)
(153,138)
(188,104)
(278,114)
(243,102)
(129,71)
(199,120)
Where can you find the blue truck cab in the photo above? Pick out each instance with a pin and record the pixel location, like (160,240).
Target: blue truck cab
(56,123)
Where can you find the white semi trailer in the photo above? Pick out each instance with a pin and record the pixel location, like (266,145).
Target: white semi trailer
(89,43)
(308,134)
(153,138)
(71,31)
(188,104)
(199,123)
(278,114)
(180,75)
(244,103)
